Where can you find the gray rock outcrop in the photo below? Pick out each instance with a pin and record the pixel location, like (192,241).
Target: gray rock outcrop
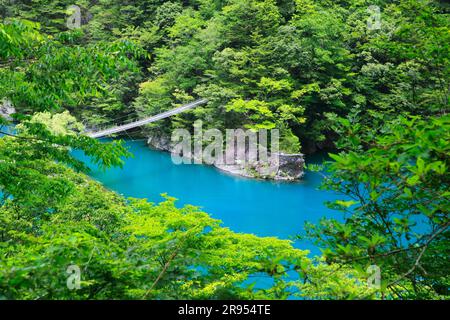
(280,166)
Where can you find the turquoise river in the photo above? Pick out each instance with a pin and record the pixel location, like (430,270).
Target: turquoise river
(264,208)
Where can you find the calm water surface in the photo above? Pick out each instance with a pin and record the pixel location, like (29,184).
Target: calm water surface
(263,208)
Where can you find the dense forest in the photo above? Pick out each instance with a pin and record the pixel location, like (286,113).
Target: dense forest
(371,88)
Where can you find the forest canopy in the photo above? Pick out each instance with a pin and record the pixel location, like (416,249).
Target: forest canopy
(376,97)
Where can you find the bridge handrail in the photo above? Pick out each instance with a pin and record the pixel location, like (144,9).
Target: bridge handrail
(139,123)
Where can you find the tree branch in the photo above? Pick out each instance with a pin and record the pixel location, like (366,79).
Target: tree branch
(419,257)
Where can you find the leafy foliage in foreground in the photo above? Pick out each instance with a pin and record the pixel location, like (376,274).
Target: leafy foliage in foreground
(24,156)
(297,65)
(397,215)
(53,218)
(132,249)
(44,73)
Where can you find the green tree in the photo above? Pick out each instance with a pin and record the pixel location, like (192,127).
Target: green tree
(133,249)
(395,206)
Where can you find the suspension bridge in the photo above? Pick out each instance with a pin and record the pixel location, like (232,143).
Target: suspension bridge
(138,123)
